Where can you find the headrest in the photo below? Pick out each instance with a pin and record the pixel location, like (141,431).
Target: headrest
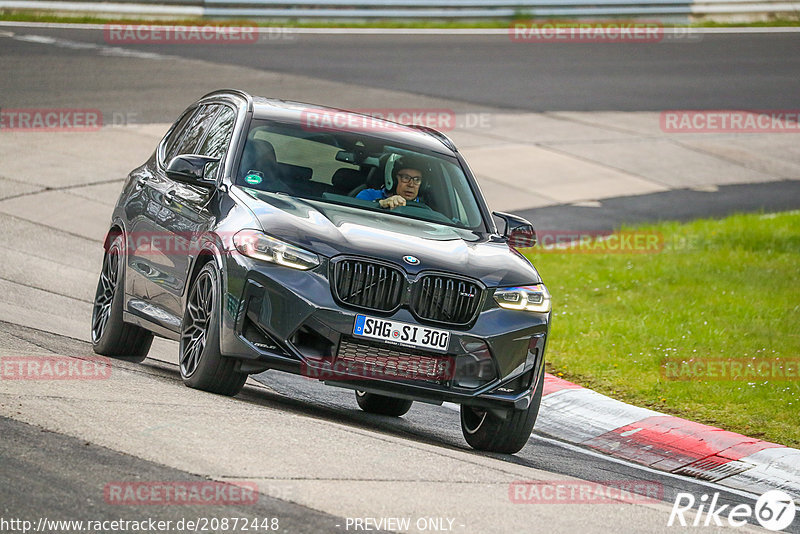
(262,149)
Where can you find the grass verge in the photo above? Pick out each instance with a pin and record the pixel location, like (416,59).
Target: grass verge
(719,291)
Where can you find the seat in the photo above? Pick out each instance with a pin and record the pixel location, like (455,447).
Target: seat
(345,180)
(294,173)
(259,155)
(299,179)
(376,178)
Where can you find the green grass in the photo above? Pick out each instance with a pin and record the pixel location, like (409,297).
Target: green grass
(772,23)
(43,16)
(719,289)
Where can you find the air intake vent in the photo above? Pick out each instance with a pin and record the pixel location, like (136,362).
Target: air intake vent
(368,285)
(445,299)
(377,361)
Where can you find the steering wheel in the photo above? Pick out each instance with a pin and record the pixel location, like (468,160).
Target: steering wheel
(418,205)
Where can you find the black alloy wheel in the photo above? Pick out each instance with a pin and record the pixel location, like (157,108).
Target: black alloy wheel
(202,365)
(111,336)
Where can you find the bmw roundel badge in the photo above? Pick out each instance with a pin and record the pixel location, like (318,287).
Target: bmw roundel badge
(411,260)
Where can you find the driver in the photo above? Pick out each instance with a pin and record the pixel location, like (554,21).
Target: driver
(402,188)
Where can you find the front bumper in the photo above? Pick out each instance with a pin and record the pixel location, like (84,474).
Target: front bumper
(285,319)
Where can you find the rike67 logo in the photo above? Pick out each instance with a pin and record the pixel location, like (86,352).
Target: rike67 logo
(774,510)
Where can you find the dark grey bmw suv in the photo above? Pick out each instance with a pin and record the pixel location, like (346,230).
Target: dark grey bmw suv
(260,235)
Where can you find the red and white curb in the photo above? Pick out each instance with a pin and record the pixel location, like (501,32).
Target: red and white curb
(584,417)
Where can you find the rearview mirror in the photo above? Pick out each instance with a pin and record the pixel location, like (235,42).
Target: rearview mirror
(518,231)
(190,169)
(346,157)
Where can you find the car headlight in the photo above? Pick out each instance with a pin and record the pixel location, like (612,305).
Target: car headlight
(529,298)
(259,246)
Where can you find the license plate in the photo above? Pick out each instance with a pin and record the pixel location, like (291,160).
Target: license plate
(398,333)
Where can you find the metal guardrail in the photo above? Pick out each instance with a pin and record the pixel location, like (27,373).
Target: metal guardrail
(417,9)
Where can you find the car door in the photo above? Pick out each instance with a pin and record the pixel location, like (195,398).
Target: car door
(193,210)
(142,206)
(159,230)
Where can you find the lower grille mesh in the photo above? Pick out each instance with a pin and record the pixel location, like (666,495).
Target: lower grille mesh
(384,363)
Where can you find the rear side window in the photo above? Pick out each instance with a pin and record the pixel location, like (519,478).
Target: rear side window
(196,130)
(219,135)
(175,136)
(218,138)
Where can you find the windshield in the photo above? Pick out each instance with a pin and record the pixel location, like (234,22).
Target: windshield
(357,170)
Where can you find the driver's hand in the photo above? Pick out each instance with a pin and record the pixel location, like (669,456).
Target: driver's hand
(392,202)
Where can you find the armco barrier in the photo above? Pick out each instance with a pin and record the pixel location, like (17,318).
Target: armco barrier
(674,10)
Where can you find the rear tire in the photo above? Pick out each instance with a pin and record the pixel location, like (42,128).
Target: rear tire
(111,336)
(382,405)
(201,363)
(487,431)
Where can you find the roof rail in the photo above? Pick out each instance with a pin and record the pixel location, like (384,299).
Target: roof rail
(446,141)
(235,92)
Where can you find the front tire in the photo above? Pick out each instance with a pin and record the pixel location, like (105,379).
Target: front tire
(111,336)
(201,363)
(487,431)
(382,405)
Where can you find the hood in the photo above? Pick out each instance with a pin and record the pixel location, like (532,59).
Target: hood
(332,229)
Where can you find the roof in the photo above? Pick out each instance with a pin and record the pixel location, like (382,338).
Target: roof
(334,119)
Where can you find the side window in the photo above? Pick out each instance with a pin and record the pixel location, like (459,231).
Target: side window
(175,136)
(218,138)
(196,130)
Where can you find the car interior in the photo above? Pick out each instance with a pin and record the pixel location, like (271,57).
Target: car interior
(337,168)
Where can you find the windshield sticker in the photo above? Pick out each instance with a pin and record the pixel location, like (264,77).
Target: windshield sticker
(253,178)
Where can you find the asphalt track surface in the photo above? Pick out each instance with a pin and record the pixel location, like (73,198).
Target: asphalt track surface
(721,71)
(63,477)
(676,205)
(707,71)
(80,68)
(718,71)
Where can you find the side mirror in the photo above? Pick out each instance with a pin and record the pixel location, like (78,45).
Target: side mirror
(190,169)
(518,231)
